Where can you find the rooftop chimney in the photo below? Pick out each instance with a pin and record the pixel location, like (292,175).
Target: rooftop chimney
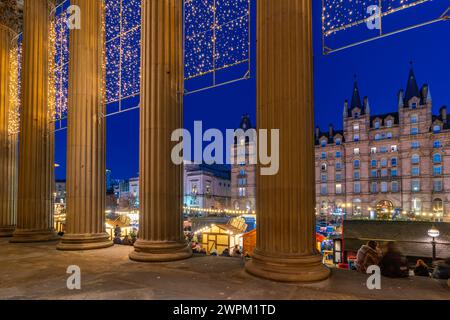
(443,112)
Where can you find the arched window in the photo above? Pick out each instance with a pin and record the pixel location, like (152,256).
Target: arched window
(437,158)
(416,206)
(436,128)
(394,186)
(415,159)
(437,144)
(438,207)
(357,208)
(373,163)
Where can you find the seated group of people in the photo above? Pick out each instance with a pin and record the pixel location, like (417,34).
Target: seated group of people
(392,263)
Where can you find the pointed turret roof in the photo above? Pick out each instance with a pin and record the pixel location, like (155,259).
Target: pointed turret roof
(356,97)
(245,124)
(412,89)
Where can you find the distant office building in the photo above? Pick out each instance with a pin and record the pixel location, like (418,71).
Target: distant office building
(60,192)
(243,173)
(109,181)
(207,186)
(393,165)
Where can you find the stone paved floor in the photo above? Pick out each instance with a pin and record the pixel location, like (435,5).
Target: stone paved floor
(38,271)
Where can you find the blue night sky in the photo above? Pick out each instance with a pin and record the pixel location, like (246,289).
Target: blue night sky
(381,67)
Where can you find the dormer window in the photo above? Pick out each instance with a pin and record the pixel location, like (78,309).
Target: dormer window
(389,123)
(377,125)
(323,143)
(437,128)
(414,105)
(338,141)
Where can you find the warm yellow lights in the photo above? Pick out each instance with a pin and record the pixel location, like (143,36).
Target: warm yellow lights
(14,90)
(51,74)
(224,211)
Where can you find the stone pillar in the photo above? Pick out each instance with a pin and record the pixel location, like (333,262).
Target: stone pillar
(36,149)
(285,249)
(160,225)
(8,140)
(86,188)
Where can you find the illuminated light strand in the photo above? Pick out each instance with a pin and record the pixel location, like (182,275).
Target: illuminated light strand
(217,35)
(227,211)
(121,25)
(15,55)
(338,15)
(51,67)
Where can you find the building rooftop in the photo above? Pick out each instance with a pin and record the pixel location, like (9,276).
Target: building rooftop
(38,271)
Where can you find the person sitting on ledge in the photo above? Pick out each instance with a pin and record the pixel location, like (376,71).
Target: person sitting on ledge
(421,269)
(367,256)
(394,264)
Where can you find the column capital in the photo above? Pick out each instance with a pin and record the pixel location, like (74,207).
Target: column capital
(11,15)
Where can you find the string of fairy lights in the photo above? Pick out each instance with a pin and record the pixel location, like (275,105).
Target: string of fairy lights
(217,35)
(15,56)
(338,15)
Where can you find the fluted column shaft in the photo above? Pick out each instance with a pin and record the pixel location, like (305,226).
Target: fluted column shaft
(160,225)
(8,142)
(36,150)
(86,188)
(285,249)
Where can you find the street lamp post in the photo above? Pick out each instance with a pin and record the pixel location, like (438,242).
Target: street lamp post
(433,233)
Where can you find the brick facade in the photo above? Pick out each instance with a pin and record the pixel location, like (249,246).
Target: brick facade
(394,165)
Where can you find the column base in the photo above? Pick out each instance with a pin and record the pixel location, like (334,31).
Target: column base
(86,241)
(29,236)
(149,251)
(284,269)
(7,231)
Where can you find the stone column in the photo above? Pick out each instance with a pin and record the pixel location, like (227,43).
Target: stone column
(86,186)
(36,150)
(285,249)
(8,140)
(160,225)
